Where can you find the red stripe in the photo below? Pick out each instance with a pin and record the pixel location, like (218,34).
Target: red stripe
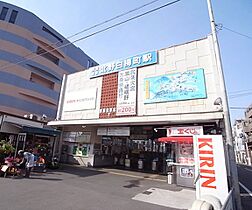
(181,139)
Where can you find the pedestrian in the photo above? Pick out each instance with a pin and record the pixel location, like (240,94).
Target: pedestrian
(28,160)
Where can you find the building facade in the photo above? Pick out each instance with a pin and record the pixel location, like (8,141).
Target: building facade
(33,59)
(240,141)
(118,113)
(248,131)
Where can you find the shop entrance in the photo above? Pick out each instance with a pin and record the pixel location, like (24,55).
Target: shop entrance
(139,154)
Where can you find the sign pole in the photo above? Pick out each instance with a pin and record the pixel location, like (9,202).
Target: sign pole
(231,167)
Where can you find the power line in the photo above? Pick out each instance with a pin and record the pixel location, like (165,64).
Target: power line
(239,95)
(26,57)
(240,91)
(111,19)
(220,27)
(125,21)
(106,21)
(244,35)
(236,107)
(97,32)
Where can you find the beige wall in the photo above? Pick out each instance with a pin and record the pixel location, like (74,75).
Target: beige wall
(193,55)
(26,34)
(25,73)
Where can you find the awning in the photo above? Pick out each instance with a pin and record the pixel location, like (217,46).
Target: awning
(178,139)
(41,131)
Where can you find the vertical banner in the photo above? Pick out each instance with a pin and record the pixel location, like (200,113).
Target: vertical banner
(210,167)
(126,96)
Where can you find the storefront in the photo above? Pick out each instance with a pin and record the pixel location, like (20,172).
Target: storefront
(25,134)
(119,113)
(134,147)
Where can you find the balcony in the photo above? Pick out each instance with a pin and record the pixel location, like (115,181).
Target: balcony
(248,113)
(248,129)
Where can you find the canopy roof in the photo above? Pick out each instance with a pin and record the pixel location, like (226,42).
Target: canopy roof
(179,139)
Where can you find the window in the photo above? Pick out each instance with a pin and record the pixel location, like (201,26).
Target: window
(13,16)
(42,81)
(47,55)
(51,33)
(3,13)
(43,72)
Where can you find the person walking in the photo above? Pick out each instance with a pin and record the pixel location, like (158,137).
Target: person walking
(28,159)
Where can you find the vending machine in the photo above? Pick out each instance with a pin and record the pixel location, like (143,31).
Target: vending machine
(185,164)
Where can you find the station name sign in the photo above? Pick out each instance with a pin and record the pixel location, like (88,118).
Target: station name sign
(143,59)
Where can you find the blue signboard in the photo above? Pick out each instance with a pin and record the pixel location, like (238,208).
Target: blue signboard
(175,87)
(128,63)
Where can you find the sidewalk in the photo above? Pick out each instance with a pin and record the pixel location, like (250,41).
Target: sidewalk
(78,187)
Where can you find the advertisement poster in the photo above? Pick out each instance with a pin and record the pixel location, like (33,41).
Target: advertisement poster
(186,149)
(186,172)
(175,87)
(126,96)
(210,167)
(182,131)
(185,153)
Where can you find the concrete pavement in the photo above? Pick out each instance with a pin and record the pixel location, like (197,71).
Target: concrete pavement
(79,188)
(245,174)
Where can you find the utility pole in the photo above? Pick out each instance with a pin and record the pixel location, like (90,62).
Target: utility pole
(231,165)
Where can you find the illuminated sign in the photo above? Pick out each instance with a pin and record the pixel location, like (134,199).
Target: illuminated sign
(123,64)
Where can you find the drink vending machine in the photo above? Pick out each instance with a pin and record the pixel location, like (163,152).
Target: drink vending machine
(185,164)
(184,167)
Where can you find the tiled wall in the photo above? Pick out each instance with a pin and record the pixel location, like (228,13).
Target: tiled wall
(77,82)
(109,96)
(193,55)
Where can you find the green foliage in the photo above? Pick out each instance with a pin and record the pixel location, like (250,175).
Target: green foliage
(5,147)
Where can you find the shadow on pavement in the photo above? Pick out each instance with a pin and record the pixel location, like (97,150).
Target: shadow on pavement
(246,201)
(46,178)
(133,183)
(79,171)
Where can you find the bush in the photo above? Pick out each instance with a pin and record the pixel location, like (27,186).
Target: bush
(6,148)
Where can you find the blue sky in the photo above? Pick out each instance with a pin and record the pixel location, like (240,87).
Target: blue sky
(184,21)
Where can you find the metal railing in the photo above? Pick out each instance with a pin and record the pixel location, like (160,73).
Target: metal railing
(228,204)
